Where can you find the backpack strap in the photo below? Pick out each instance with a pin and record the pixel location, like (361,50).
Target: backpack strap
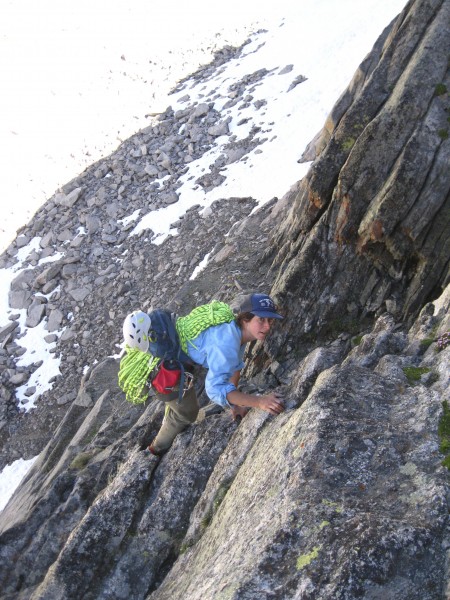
(181,363)
(182,378)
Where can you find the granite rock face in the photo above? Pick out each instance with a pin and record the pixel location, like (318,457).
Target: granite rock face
(341,496)
(344,495)
(368,228)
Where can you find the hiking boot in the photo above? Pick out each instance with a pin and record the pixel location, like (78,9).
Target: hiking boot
(151,450)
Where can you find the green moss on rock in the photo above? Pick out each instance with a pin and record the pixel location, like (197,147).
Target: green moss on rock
(444,433)
(414,374)
(81,460)
(440,89)
(426,343)
(348,143)
(305,559)
(357,340)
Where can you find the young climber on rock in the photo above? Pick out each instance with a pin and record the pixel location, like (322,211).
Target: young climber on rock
(220,349)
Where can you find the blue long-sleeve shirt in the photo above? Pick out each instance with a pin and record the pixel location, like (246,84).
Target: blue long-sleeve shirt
(220,350)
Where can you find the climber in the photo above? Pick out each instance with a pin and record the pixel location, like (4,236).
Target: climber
(220,350)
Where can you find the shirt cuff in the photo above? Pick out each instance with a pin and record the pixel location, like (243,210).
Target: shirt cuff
(221,397)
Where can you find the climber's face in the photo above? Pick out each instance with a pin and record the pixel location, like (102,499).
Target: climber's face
(256,329)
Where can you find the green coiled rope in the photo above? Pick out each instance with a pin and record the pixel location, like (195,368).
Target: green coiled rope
(136,366)
(199,319)
(134,372)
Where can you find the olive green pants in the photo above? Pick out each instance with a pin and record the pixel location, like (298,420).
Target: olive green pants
(177,417)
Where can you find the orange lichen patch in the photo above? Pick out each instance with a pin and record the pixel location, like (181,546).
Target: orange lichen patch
(376,230)
(361,247)
(315,200)
(362,244)
(373,233)
(342,218)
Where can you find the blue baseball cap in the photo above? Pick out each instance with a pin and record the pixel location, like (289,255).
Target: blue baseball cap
(260,305)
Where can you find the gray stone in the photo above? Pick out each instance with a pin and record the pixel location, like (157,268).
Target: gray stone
(299,79)
(35,315)
(219,129)
(67,334)
(66,398)
(169,198)
(109,239)
(224,253)
(51,338)
(77,242)
(55,319)
(286,69)
(18,378)
(69,271)
(70,199)
(22,241)
(64,235)
(20,299)
(195,133)
(151,170)
(235,154)
(80,294)
(48,274)
(23,281)
(49,286)
(112,210)
(93,224)
(101,172)
(200,111)
(47,239)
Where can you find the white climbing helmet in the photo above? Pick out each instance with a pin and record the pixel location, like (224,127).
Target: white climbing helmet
(135,330)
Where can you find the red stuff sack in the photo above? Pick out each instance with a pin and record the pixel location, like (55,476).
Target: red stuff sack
(167,378)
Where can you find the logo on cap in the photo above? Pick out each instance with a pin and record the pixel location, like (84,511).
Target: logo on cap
(266,303)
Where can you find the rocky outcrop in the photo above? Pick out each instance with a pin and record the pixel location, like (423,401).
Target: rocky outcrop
(368,228)
(336,499)
(344,495)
